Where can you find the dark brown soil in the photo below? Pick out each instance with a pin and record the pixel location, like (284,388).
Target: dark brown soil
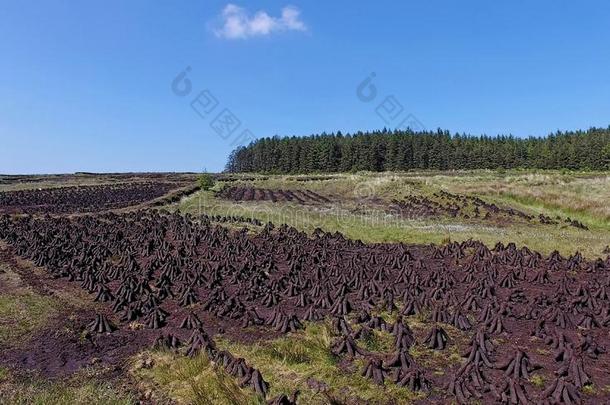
(313,178)
(444,204)
(260,194)
(79,199)
(59,351)
(512,313)
(61,348)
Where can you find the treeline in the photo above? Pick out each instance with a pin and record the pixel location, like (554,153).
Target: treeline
(405,150)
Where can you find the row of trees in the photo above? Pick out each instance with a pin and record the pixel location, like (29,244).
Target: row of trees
(405,150)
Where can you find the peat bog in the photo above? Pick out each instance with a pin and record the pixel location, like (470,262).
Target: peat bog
(461,321)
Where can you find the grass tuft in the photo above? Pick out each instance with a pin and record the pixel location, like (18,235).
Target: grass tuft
(78,391)
(302,361)
(22,313)
(197,380)
(537,381)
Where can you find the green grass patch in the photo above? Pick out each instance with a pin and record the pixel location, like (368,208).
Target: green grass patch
(22,313)
(4,373)
(554,209)
(171,377)
(79,391)
(378,341)
(303,360)
(581,196)
(437,360)
(537,381)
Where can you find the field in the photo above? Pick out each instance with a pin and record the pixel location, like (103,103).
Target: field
(361,207)
(415,287)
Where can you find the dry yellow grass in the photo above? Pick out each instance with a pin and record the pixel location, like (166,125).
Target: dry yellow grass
(360,199)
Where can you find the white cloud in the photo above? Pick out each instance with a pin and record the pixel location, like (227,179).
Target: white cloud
(236,23)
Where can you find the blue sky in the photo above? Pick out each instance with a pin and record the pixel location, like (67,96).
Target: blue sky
(88,85)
